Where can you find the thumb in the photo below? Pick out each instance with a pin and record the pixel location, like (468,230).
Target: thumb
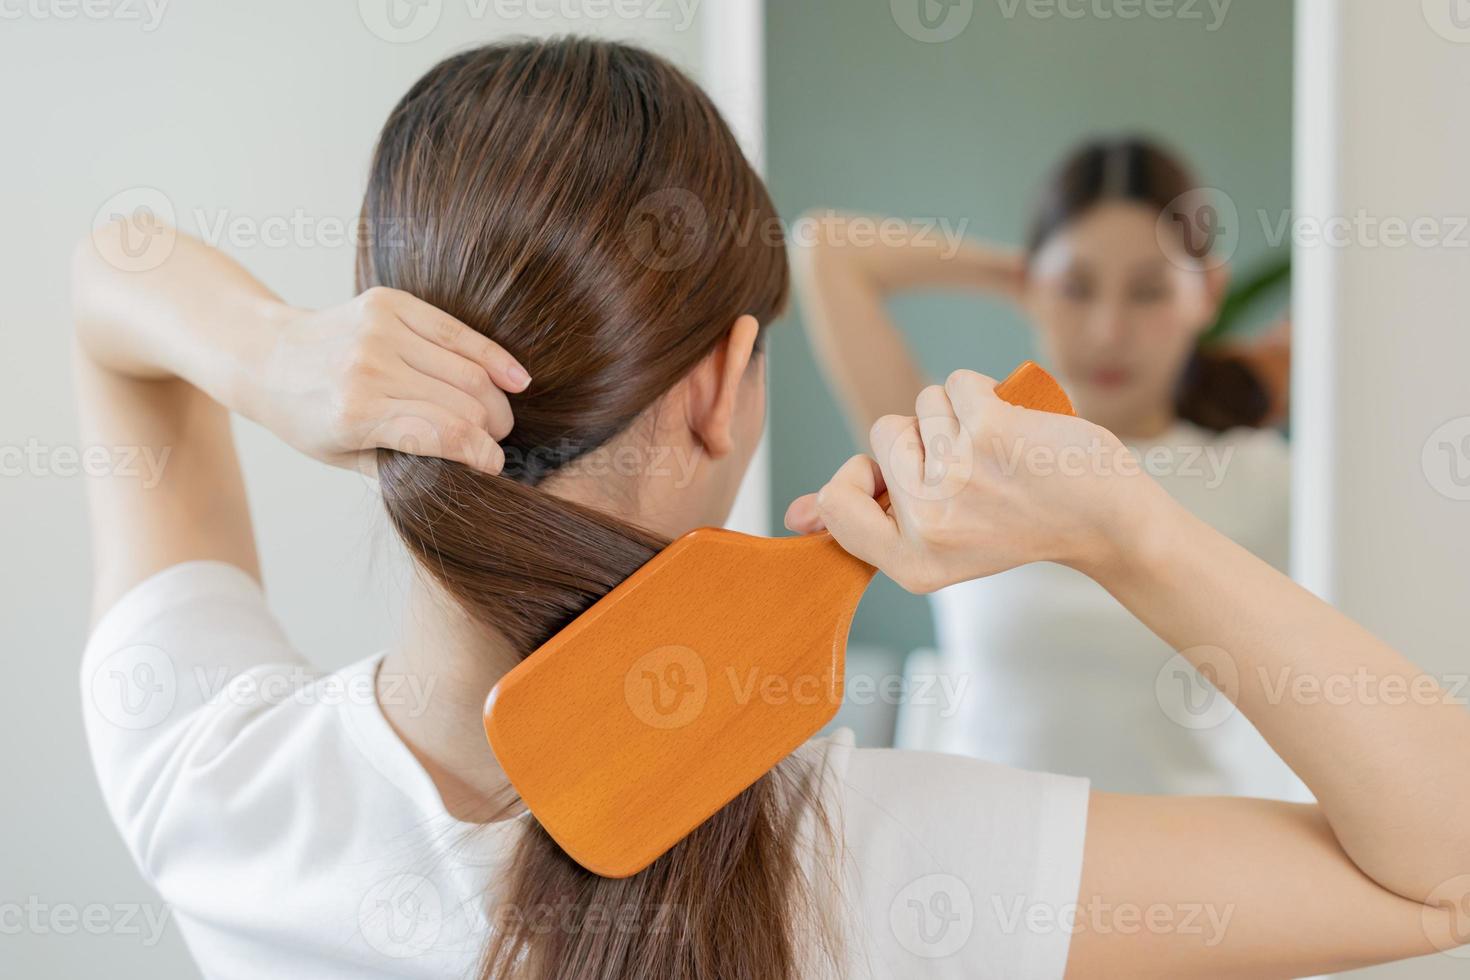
(847,507)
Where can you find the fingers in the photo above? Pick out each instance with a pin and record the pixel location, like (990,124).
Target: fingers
(899,453)
(802,516)
(424,428)
(846,506)
(463,377)
(971,395)
(438,327)
(940,434)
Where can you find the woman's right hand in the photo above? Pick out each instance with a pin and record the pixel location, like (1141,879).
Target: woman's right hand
(978,486)
(384,370)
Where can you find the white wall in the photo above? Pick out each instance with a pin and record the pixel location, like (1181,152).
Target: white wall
(251,111)
(1382,372)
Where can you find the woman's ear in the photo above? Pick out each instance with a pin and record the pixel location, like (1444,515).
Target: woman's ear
(714,387)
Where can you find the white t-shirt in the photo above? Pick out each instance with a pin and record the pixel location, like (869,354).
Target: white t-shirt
(294,835)
(1057,676)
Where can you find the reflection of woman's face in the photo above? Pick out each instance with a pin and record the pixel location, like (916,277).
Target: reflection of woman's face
(1117,315)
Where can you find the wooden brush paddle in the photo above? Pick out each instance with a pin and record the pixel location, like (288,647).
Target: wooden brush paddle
(686,683)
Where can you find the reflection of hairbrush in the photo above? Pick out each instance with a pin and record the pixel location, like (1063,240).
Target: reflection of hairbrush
(686,683)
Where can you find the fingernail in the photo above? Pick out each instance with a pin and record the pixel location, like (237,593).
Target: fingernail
(519,377)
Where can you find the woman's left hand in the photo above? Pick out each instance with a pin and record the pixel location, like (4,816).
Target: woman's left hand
(386,371)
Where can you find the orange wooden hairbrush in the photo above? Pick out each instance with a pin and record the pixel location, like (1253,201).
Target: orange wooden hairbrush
(686,683)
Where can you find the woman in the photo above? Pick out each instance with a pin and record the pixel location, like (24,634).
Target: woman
(302,824)
(1118,282)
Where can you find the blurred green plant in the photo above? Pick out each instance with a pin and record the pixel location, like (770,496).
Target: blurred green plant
(1269,281)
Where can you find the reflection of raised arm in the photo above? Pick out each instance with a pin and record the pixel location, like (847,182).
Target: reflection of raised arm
(845,276)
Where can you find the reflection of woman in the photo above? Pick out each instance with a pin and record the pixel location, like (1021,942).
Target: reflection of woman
(1118,283)
(338,826)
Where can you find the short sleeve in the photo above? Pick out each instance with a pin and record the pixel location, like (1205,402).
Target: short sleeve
(963,868)
(177,665)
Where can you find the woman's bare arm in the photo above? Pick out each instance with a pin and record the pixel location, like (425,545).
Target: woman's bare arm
(1378,870)
(846,271)
(165,353)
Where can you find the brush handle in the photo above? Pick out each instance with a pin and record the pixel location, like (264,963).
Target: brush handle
(1031,387)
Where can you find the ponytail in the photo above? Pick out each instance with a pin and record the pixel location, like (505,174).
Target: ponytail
(1220,391)
(561,196)
(723,903)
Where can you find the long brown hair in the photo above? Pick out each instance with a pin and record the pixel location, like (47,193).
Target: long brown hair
(566,198)
(1217,390)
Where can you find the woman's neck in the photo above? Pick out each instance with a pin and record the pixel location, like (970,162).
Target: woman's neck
(1138,427)
(454,662)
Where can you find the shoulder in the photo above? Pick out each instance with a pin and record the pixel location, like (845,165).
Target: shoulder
(173,673)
